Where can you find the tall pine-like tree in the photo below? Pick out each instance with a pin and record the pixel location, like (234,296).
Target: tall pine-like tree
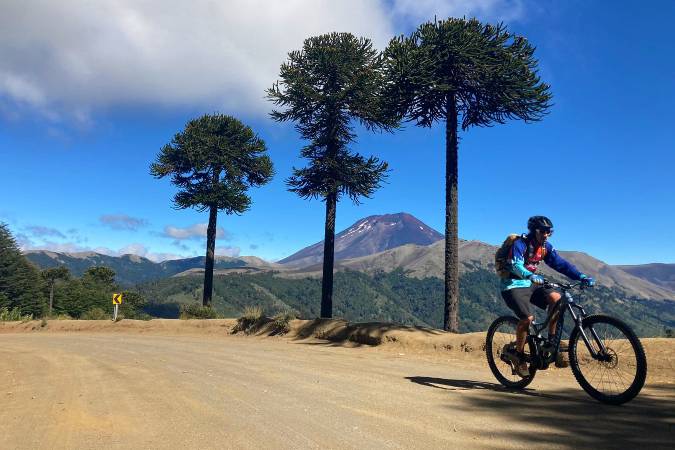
(51,276)
(458,68)
(20,283)
(334,82)
(214,161)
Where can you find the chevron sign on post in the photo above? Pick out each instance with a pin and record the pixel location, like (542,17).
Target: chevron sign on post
(117,301)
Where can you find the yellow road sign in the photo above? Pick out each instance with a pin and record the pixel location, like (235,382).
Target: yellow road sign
(117,299)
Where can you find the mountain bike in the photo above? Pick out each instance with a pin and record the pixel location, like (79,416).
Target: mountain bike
(605,354)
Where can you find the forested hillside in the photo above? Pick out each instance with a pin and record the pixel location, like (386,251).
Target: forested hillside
(386,297)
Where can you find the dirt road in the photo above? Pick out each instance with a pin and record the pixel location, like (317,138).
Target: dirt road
(95,390)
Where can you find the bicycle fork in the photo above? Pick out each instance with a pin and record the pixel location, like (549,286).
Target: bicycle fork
(601,354)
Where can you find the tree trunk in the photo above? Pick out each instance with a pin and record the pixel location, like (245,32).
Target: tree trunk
(51,298)
(328,258)
(210,255)
(451,321)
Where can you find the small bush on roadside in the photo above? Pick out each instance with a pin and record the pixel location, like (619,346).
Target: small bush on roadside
(281,322)
(197,311)
(95,314)
(251,317)
(13,315)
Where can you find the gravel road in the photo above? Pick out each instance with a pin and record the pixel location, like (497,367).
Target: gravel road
(82,390)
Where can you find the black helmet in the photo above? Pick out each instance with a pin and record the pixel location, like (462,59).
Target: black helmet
(539,223)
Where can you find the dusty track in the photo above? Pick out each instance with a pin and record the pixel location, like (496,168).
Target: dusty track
(130,390)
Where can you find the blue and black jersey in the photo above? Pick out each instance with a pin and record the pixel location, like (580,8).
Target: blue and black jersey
(524,258)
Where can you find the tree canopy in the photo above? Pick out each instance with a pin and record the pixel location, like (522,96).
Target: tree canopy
(214,160)
(334,82)
(490,72)
(20,283)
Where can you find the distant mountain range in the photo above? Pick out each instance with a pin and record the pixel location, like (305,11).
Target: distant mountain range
(660,274)
(375,243)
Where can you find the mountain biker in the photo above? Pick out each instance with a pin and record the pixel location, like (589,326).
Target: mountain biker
(524,287)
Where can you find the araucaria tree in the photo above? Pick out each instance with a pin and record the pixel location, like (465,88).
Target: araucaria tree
(51,275)
(458,68)
(214,161)
(334,82)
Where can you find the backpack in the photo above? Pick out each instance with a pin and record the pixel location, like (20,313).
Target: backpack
(502,255)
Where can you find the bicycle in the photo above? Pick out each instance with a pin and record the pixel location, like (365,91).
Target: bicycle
(605,354)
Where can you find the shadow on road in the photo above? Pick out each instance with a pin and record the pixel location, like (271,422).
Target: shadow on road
(568,417)
(454,385)
(366,333)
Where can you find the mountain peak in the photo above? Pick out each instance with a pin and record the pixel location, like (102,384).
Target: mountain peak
(372,234)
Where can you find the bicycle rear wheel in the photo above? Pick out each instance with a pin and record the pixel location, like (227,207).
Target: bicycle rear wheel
(619,374)
(501,333)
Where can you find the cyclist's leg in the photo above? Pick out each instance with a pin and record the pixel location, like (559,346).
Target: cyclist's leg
(521,332)
(518,300)
(546,298)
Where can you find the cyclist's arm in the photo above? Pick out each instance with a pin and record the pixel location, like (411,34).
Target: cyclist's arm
(517,260)
(559,264)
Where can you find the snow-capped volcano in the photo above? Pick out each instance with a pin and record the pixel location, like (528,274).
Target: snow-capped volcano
(370,235)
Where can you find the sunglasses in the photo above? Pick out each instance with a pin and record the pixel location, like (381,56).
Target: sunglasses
(548,231)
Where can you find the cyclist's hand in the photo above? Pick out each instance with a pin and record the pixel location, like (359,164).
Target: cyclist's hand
(537,279)
(587,281)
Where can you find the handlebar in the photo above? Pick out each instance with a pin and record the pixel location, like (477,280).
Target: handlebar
(565,286)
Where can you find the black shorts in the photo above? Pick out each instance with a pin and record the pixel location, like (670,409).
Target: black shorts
(520,300)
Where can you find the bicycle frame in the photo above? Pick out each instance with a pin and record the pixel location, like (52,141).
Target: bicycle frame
(565,305)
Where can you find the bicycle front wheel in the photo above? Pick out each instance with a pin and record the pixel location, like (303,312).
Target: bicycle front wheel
(618,372)
(502,333)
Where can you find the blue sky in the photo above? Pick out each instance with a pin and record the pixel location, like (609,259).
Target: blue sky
(86,102)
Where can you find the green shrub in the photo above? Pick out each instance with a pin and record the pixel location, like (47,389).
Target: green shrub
(281,322)
(13,315)
(197,311)
(95,314)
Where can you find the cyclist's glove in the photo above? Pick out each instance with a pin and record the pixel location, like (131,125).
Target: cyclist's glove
(537,279)
(587,281)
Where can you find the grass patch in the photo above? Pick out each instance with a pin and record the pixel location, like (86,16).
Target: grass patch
(14,315)
(95,314)
(282,321)
(252,317)
(197,311)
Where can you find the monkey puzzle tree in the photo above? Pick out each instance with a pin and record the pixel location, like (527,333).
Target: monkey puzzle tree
(326,88)
(214,161)
(51,275)
(458,67)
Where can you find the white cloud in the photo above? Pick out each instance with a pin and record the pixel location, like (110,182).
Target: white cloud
(41,231)
(122,222)
(68,59)
(142,250)
(196,231)
(227,251)
(77,55)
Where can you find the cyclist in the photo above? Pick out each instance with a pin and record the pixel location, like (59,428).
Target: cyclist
(523,288)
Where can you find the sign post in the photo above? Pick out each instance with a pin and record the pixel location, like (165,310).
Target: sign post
(117,301)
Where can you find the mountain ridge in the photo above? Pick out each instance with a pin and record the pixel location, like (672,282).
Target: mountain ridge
(419,261)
